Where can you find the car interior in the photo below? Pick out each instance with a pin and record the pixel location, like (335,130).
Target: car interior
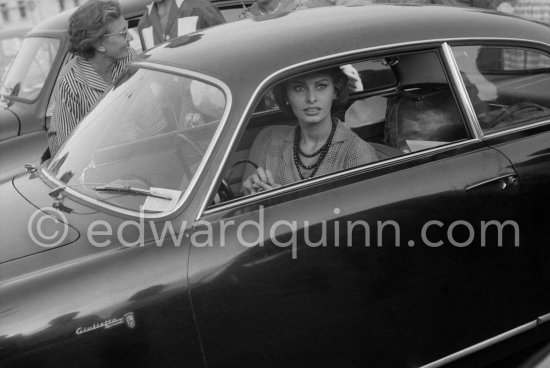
(405,104)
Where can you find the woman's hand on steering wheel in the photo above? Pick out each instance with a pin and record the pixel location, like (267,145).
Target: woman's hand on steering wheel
(259,181)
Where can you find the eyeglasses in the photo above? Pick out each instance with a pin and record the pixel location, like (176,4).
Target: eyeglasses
(123,34)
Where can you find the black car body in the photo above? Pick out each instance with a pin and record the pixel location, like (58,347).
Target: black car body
(445,261)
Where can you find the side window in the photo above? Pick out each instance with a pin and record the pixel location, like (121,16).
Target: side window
(322,123)
(508,86)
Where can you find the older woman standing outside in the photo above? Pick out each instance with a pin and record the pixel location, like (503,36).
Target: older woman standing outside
(98,36)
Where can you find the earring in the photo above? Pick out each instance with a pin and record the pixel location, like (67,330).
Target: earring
(334,97)
(287,103)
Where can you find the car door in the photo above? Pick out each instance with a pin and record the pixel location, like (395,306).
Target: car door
(402,262)
(517,77)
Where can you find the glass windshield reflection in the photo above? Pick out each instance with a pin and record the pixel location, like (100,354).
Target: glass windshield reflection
(141,146)
(29,70)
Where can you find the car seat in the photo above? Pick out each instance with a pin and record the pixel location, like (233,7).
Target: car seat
(426,113)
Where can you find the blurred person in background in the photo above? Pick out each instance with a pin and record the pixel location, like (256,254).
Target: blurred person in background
(538,10)
(272,7)
(265,7)
(98,36)
(506,7)
(166,19)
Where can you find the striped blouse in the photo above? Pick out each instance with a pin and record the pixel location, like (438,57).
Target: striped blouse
(78,89)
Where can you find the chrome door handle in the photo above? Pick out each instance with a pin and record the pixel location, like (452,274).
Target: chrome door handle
(508,181)
(504,181)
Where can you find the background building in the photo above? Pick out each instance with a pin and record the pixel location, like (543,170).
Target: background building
(28,13)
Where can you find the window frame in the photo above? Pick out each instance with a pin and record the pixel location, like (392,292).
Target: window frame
(450,70)
(503,43)
(54,67)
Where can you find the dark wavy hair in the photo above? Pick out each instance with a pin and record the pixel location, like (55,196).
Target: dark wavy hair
(89,23)
(339,80)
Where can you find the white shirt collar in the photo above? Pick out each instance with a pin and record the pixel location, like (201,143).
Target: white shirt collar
(150,6)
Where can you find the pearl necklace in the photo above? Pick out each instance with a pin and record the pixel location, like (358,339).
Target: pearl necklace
(321,152)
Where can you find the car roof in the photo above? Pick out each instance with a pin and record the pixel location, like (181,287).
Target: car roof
(252,49)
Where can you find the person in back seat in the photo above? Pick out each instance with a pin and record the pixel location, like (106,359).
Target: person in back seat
(319,144)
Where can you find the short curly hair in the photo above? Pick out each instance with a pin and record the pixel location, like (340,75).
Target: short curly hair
(89,23)
(339,80)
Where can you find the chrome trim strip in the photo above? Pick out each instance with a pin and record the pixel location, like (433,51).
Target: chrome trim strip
(543,319)
(200,168)
(306,183)
(482,345)
(517,129)
(473,186)
(462,91)
(247,111)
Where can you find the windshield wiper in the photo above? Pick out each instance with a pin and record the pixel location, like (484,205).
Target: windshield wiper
(11,92)
(130,190)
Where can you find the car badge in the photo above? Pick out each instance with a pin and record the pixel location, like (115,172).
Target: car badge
(130,321)
(127,319)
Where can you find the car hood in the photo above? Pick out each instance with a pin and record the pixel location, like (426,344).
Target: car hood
(29,227)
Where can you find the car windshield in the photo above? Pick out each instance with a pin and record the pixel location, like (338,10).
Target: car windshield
(29,70)
(141,147)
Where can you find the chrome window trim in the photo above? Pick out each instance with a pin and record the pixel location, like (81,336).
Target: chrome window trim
(255,95)
(303,184)
(471,115)
(482,345)
(492,40)
(543,319)
(489,342)
(480,133)
(518,129)
(200,168)
(435,44)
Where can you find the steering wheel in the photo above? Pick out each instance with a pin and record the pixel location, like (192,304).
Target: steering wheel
(188,141)
(225,191)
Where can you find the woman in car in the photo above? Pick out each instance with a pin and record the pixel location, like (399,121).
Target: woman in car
(98,35)
(319,144)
